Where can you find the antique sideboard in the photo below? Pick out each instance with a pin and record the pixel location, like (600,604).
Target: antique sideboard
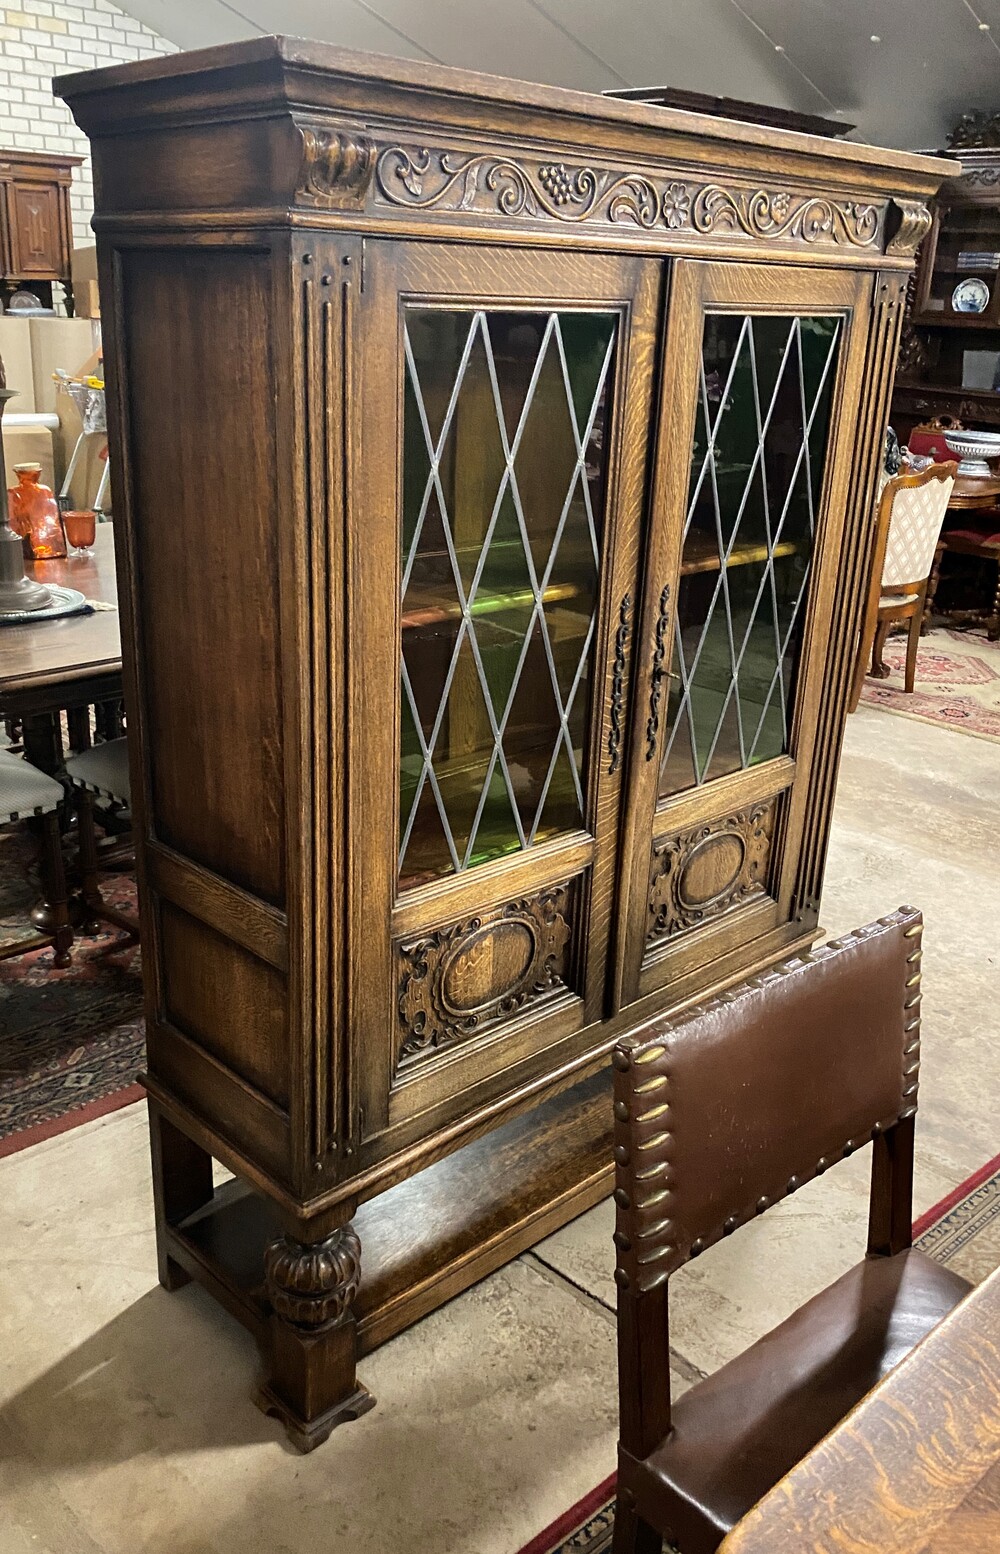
(495,471)
(36,223)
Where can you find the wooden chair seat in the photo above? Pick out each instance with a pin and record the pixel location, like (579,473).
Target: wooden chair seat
(738,1432)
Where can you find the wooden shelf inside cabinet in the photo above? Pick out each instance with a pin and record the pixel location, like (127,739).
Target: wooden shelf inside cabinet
(701,554)
(431,1236)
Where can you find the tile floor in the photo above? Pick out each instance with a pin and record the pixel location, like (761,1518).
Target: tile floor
(125,1426)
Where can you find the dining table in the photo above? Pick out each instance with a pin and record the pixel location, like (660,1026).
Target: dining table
(914,1468)
(66,664)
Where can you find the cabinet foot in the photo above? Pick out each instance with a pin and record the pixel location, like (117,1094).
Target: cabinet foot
(312,1350)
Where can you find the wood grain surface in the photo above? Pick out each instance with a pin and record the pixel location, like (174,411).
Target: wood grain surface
(47,652)
(915,1469)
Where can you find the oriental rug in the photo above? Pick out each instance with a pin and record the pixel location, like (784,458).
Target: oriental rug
(957,682)
(962,1231)
(71,1042)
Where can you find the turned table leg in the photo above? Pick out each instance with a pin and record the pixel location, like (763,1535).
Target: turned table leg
(879,669)
(993,624)
(932,588)
(311,1384)
(182,1183)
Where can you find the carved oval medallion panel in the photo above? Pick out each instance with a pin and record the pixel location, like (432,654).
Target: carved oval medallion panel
(455,982)
(711,869)
(487,967)
(698,874)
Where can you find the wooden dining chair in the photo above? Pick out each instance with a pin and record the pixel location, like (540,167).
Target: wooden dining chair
(100,772)
(911,511)
(718,1116)
(25,793)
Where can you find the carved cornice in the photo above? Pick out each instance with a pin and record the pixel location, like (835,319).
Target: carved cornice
(337,166)
(976,129)
(981,177)
(914,225)
(488,184)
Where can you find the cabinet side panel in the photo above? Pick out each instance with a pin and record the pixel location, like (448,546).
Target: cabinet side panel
(225,1000)
(201,402)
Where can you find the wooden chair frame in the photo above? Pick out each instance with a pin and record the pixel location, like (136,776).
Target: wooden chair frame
(878,618)
(643,1308)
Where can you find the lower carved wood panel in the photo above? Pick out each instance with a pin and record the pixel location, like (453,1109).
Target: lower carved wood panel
(458,981)
(697,874)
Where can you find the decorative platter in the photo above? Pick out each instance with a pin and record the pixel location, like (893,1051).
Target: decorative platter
(971,296)
(65,601)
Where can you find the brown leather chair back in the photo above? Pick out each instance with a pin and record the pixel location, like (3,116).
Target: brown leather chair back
(733,1106)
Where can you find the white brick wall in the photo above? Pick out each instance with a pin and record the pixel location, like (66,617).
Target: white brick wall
(40,39)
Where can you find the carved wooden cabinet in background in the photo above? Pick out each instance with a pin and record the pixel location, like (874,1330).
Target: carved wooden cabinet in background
(36,223)
(497,470)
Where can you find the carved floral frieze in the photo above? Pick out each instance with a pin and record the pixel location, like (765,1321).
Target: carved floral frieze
(425,179)
(458,980)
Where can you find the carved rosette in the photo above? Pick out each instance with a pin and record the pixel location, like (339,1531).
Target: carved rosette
(460,980)
(313,1287)
(337,166)
(427,179)
(698,874)
(914,225)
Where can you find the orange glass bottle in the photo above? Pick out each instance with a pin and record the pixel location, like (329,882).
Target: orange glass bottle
(34,515)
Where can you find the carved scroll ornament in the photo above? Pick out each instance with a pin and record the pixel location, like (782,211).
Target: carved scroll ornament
(458,980)
(505,186)
(337,166)
(695,875)
(914,224)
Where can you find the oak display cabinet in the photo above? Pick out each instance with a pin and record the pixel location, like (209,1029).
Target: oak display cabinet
(496,469)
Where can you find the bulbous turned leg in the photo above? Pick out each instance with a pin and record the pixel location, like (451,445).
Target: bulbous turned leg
(312,1385)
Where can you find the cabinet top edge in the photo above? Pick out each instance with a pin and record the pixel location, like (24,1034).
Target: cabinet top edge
(215,74)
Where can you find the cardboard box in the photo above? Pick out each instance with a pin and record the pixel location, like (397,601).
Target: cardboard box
(59,342)
(86,299)
(27,445)
(15,349)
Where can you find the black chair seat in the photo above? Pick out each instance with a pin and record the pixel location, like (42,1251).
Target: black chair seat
(738,1432)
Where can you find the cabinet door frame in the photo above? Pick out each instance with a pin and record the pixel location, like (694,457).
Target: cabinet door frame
(699,287)
(399,274)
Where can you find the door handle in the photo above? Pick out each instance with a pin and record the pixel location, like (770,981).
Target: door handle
(618,686)
(657,674)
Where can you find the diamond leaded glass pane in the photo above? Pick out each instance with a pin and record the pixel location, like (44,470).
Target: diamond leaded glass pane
(761,429)
(502,494)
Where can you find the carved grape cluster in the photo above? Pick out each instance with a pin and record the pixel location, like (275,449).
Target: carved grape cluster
(557,182)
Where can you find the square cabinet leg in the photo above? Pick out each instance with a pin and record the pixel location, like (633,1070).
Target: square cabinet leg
(182,1183)
(311,1384)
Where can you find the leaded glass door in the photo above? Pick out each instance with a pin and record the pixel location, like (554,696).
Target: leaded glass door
(498,587)
(754,443)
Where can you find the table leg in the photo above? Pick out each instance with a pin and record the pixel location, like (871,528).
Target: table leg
(42,737)
(932,586)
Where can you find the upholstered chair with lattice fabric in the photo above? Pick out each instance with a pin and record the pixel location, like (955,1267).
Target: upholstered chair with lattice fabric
(102,774)
(26,793)
(910,514)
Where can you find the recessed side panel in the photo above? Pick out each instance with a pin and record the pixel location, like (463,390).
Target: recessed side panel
(195,328)
(226,1000)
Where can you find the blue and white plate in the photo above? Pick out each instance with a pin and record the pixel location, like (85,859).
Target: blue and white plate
(971,296)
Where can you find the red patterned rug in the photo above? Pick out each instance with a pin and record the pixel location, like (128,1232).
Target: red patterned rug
(71,1042)
(962,1231)
(957,682)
